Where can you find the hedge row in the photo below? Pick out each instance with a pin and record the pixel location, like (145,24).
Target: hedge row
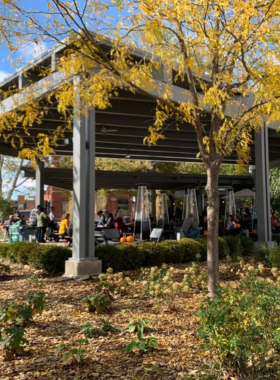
(276,237)
(128,256)
(50,258)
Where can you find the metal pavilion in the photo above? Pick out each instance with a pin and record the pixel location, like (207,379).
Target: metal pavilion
(118,132)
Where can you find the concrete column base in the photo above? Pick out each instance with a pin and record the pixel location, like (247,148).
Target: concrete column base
(267,244)
(82,269)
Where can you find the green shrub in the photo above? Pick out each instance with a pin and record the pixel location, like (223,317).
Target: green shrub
(241,326)
(234,246)
(191,249)
(49,258)
(4,269)
(153,254)
(247,245)
(35,258)
(275,237)
(132,258)
(203,244)
(223,247)
(54,257)
(173,251)
(12,250)
(111,257)
(3,250)
(274,256)
(24,251)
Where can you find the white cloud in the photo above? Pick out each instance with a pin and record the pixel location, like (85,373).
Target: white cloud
(3,74)
(32,51)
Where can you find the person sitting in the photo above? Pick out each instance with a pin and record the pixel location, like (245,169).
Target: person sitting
(119,223)
(109,221)
(230,223)
(101,218)
(275,227)
(64,225)
(190,227)
(70,234)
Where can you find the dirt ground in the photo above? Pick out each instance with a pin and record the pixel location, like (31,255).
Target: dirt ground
(173,322)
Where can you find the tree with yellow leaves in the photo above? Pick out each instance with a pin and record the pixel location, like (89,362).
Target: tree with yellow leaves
(226,50)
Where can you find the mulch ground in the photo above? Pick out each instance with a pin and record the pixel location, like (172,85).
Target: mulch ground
(173,323)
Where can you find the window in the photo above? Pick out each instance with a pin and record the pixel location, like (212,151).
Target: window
(122,204)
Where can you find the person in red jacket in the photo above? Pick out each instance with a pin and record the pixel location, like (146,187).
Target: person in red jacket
(274,225)
(119,223)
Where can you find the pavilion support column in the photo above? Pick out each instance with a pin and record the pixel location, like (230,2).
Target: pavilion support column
(83,263)
(262,185)
(200,205)
(39,176)
(153,208)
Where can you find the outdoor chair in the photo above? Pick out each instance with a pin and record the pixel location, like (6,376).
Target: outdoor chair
(99,238)
(155,236)
(111,236)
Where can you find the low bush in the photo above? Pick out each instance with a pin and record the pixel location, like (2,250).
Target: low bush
(173,251)
(3,250)
(12,250)
(23,251)
(203,244)
(269,256)
(49,258)
(275,237)
(240,326)
(111,257)
(223,247)
(153,254)
(247,245)
(4,269)
(191,249)
(54,257)
(132,258)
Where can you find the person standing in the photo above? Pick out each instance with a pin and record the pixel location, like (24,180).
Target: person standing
(245,216)
(33,216)
(42,224)
(52,223)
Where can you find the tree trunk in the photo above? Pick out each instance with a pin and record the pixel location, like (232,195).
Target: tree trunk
(213,228)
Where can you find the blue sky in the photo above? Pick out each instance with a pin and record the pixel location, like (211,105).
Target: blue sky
(32,50)
(28,52)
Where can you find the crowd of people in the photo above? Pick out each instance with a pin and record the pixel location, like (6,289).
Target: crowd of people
(46,223)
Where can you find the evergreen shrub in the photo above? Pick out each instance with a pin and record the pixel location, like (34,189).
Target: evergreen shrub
(132,257)
(154,255)
(276,237)
(3,250)
(173,251)
(111,257)
(247,245)
(191,249)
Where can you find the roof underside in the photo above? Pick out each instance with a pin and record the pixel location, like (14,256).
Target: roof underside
(120,131)
(63,178)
